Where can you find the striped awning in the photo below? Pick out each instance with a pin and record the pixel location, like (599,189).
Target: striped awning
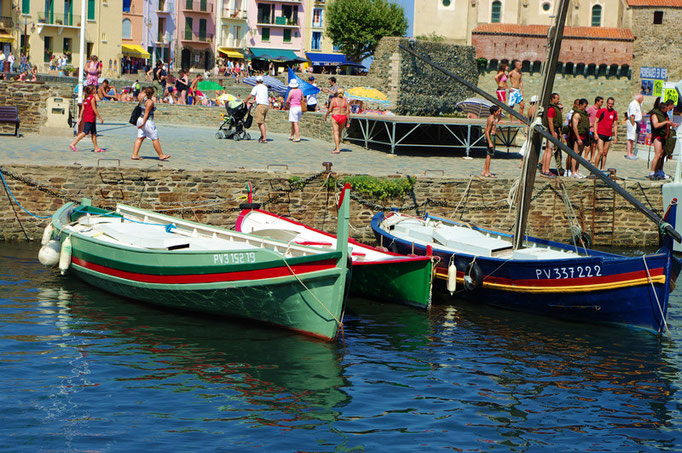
(5,36)
(230,53)
(133,50)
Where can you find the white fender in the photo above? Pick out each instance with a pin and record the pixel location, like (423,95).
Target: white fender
(65,256)
(47,234)
(49,253)
(452,278)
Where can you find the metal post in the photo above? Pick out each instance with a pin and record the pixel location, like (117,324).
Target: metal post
(468,138)
(81,60)
(530,162)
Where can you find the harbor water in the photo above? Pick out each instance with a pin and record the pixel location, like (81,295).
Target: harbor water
(83,370)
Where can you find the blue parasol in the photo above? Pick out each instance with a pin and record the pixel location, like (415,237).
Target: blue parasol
(272,83)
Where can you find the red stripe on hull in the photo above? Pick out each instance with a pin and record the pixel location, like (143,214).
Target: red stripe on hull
(545,282)
(283,271)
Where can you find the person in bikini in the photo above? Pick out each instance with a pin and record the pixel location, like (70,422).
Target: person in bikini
(501,80)
(490,131)
(340,111)
(516,90)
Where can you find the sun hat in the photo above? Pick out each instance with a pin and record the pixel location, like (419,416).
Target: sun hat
(259,78)
(293,83)
(534,98)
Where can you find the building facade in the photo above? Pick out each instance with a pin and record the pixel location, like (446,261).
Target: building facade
(232,28)
(319,49)
(195,32)
(159,33)
(46,27)
(276,26)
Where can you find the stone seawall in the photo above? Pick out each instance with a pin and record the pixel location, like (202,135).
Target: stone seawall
(31,100)
(213,197)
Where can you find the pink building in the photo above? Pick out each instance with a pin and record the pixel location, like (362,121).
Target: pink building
(195,32)
(276,29)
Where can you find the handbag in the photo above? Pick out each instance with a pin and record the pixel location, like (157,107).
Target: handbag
(304,106)
(135,115)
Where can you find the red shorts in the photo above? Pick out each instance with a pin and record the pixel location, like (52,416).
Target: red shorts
(501,95)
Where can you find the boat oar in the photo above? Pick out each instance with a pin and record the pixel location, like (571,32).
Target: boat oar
(664,227)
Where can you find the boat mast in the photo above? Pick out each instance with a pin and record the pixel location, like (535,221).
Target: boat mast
(556,34)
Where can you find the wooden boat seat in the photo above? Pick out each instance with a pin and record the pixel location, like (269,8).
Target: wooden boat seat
(469,241)
(155,237)
(537,254)
(277,234)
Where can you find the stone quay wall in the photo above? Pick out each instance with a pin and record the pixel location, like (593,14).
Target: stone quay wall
(31,100)
(213,197)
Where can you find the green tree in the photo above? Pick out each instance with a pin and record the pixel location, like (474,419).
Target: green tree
(356,26)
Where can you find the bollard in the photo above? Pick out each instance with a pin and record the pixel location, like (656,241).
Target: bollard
(327,166)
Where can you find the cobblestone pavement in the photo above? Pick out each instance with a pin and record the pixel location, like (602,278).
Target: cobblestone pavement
(196,148)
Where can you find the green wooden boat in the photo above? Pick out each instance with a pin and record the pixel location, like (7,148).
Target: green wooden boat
(172,262)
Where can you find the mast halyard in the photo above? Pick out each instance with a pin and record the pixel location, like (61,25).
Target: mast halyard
(556,34)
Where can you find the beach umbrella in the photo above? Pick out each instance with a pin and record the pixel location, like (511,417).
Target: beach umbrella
(478,106)
(227,97)
(368,94)
(272,83)
(207,85)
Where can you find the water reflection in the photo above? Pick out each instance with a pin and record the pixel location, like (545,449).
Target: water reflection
(274,371)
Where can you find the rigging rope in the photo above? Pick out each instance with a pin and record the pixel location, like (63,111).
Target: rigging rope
(658,302)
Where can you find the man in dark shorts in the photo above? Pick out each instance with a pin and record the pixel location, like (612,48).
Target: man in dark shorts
(490,131)
(606,127)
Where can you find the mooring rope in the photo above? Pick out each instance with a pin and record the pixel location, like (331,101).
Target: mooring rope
(658,302)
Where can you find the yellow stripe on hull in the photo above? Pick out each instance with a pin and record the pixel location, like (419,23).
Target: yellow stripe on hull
(561,289)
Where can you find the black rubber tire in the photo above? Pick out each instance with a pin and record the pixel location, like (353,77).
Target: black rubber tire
(474,271)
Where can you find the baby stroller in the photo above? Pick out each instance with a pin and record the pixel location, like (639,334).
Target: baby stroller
(237,121)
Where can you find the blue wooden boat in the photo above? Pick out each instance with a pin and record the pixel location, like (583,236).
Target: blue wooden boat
(543,277)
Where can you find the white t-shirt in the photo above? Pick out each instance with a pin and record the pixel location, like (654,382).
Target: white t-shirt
(260,92)
(635,109)
(311,99)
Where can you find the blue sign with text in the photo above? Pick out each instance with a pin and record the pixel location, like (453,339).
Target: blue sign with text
(647,72)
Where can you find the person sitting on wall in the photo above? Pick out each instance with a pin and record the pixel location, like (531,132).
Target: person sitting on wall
(105,92)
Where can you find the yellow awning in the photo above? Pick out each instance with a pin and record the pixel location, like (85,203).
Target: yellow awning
(5,37)
(133,50)
(230,53)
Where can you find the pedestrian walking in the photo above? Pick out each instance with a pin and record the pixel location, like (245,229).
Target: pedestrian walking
(293,104)
(490,131)
(259,94)
(146,127)
(516,90)
(340,112)
(634,116)
(592,113)
(501,81)
(10,61)
(606,127)
(660,131)
(89,115)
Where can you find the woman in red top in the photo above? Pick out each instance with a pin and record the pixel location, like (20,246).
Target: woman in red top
(89,114)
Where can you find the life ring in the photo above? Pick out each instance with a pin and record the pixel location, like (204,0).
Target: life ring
(473,277)
(582,239)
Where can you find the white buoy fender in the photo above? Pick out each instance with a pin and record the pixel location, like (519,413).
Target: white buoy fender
(47,234)
(65,256)
(452,278)
(49,253)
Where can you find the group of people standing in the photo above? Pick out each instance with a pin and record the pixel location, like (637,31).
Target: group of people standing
(297,103)
(510,81)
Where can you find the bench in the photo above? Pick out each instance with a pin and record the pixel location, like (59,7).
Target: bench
(10,114)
